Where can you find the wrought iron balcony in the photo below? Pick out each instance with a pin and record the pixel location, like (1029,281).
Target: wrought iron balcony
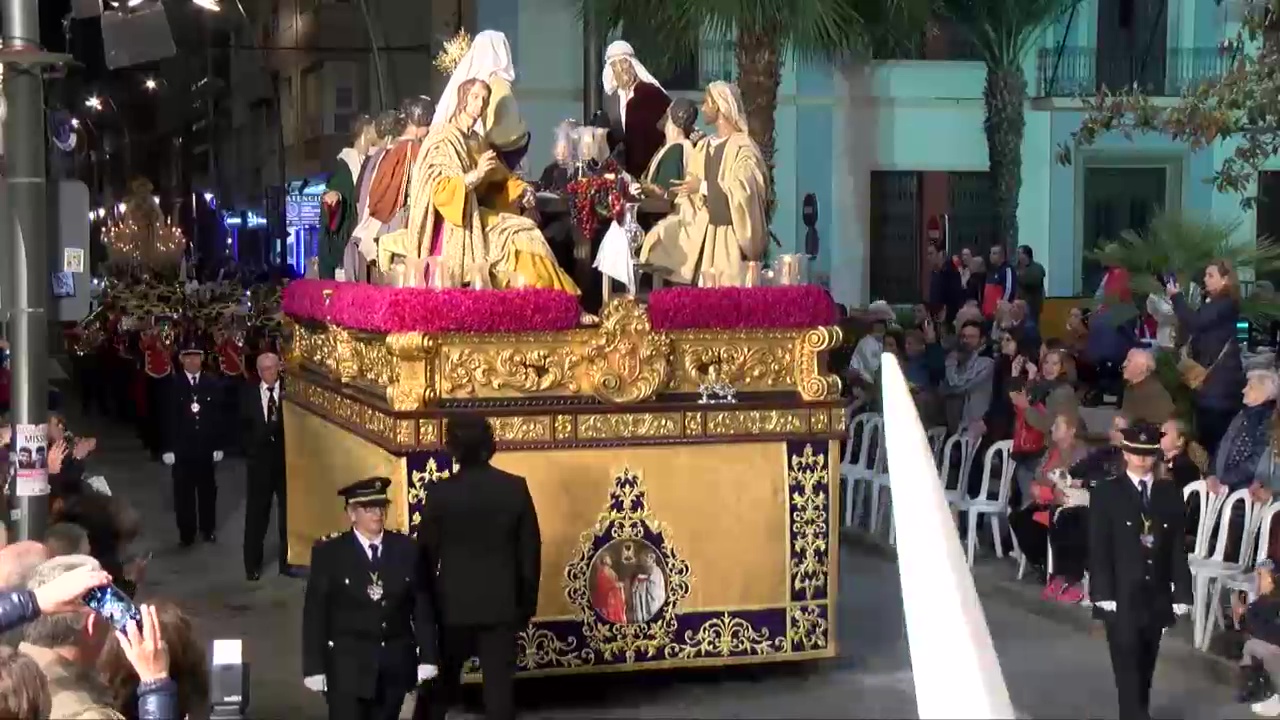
(1164,72)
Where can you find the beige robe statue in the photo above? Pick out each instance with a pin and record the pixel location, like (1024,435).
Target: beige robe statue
(723,225)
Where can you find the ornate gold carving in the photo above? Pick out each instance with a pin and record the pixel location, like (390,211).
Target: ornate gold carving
(465,370)
(628,426)
(627,517)
(693,424)
(807,483)
(724,636)
(428,432)
(564,427)
(344,365)
(807,628)
(730,423)
(407,383)
(538,648)
(839,420)
(818,421)
(811,355)
(745,363)
(627,362)
(522,428)
(334,406)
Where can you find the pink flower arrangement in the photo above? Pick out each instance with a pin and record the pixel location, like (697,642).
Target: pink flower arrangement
(373,308)
(779,307)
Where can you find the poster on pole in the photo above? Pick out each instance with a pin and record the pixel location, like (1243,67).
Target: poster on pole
(73,260)
(30,456)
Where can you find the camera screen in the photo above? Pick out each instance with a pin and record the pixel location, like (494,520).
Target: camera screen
(115,606)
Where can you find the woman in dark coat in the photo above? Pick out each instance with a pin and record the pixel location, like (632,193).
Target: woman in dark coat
(1210,334)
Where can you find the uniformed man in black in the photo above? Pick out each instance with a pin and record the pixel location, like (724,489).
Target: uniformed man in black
(194,436)
(368,630)
(1138,574)
(482,549)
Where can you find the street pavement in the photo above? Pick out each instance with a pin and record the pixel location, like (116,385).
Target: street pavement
(1054,659)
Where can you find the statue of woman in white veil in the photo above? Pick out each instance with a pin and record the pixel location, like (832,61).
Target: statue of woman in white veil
(487,57)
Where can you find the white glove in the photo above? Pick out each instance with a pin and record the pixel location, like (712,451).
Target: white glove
(217,456)
(167,458)
(1181,609)
(426,672)
(1108,605)
(316,683)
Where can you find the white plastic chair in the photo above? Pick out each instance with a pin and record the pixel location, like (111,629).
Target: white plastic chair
(1205,570)
(937,436)
(1243,580)
(984,504)
(865,431)
(955,461)
(1210,505)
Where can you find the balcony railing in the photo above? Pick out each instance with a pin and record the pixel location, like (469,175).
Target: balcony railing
(1164,72)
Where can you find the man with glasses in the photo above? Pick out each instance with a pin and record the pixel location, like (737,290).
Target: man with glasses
(368,628)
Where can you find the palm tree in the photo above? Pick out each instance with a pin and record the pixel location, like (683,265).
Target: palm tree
(765,31)
(1004,32)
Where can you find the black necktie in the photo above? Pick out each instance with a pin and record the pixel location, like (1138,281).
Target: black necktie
(1142,489)
(373,553)
(195,379)
(272,407)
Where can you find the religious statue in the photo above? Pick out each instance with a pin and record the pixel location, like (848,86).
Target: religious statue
(386,128)
(338,204)
(673,160)
(487,58)
(637,102)
(141,238)
(465,207)
(388,193)
(726,187)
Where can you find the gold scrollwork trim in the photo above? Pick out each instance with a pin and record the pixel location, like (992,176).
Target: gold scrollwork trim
(807,627)
(724,636)
(754,361)
(731,423)
(338,407)
(810,352)
(540,649)
(465,371)
(629,426)
(564,428)
(523,428)
(809,497)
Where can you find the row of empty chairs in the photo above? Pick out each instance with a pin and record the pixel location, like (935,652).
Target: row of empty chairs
(866,474)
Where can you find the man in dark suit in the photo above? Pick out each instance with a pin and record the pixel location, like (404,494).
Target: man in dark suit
(194,436)
(368,628)
(637,104)
(262,422)
(482,552)
(1138,573)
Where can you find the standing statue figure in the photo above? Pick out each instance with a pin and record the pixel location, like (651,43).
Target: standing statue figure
(487,58)
(636,104)
(389,191)
(727,187)
(339,202)
(362,246)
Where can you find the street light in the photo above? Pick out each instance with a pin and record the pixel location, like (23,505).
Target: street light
(150,84)
(210,5)
(93,102)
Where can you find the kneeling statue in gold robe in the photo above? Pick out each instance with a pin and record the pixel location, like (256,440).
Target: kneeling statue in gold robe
(465,206)
(719,223)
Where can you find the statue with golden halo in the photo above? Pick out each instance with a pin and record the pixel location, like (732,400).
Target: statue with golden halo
(141,237)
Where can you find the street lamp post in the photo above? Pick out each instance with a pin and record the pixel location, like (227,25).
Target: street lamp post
(94,103)
(24,222)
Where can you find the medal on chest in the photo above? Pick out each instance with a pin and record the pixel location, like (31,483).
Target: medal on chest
(375,587)
(195,406)
(1148,540)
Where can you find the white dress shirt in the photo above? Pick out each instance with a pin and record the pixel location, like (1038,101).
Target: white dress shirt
(263,394)
(1137,482)
(193,379)
(368,544)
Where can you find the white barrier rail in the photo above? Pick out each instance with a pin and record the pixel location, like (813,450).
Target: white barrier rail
(953,662)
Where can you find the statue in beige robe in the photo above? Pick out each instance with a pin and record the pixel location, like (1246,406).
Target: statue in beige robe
(726,189)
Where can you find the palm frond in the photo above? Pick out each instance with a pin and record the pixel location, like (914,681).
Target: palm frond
(1184,247)
(1004,30)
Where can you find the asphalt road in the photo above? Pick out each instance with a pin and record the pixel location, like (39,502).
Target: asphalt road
(1055,663)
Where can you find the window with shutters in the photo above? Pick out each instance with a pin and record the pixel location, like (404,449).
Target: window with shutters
(313,101)
(895,236)
(342,97)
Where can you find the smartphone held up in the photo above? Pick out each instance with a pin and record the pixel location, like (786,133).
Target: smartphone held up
(113,605)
